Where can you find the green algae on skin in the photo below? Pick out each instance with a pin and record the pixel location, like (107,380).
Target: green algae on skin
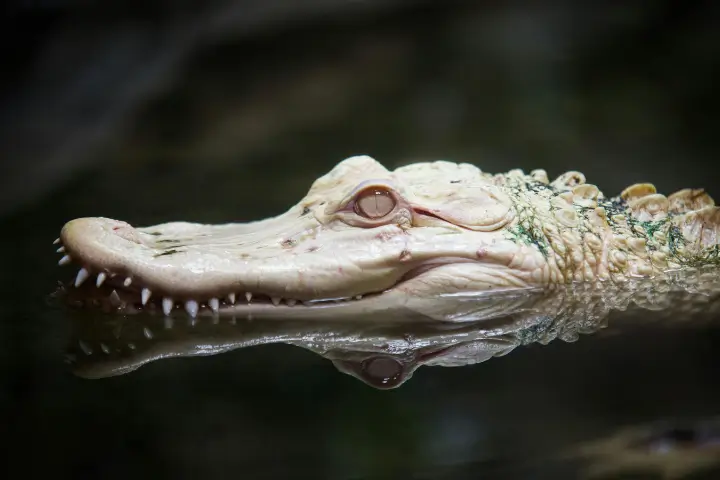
(529,236)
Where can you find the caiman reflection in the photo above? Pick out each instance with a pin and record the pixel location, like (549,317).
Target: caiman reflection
(384,356)
(449,331)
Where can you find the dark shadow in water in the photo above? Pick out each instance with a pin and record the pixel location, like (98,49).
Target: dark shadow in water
(668,449)
(384,347)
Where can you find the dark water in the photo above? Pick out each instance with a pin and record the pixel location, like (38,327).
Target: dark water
(241,130)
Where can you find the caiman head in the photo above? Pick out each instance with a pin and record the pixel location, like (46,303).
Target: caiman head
(361,233)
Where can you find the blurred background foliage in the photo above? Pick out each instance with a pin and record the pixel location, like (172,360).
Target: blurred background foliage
(195,96)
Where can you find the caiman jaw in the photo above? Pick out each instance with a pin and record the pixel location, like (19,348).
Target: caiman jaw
(198,267)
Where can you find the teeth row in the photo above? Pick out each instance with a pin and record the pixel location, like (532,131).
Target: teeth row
(191,306)
(88,350)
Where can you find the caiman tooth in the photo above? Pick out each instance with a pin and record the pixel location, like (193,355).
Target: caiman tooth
(57,240)
(100,279)
(64,260)
(127,282)
(231,298)
(214,304)
(248,296)
(85,347)
(145,295)
(115,299)
(82,275)
(167,305)
(191,306)
(275,300)
(61,250)
(291,301)
(358,297)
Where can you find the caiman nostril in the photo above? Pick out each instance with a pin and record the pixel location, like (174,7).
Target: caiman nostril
(127,232)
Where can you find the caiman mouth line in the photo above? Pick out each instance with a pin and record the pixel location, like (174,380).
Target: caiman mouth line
(114,291)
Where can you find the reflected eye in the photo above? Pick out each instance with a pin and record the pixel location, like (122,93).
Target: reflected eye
(374,203)
(383,371)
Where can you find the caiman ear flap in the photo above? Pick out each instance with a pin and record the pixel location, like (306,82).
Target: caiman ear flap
(459,194)
(700,229)
(479,207)
(689,200)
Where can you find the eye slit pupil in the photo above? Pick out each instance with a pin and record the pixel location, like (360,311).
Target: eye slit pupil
(374,203)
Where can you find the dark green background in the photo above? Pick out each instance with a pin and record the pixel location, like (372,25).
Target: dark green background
(159,111)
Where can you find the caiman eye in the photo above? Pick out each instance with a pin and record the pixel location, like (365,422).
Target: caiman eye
(374,203)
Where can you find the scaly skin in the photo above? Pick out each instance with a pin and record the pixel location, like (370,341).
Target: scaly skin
(376,237)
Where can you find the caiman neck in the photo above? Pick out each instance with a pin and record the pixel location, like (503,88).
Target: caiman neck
(586,237)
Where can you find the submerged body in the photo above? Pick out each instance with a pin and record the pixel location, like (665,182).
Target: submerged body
(370,237)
